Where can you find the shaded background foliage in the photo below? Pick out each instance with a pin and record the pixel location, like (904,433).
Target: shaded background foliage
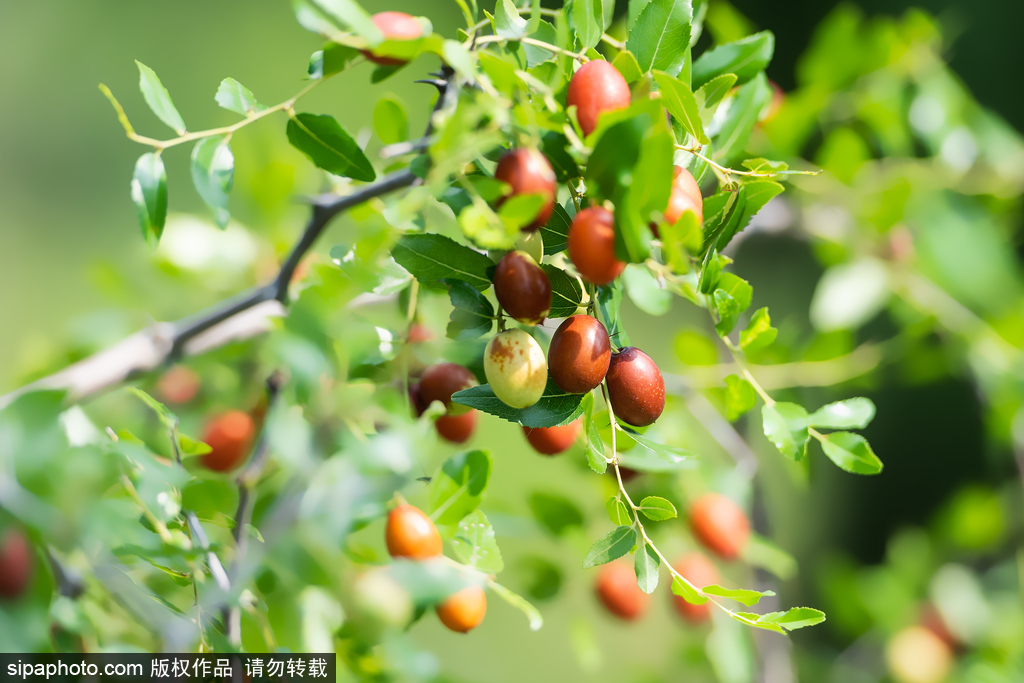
(76,274)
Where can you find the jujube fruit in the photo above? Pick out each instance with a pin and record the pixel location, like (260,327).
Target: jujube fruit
(457,428)
(916,655)
(522,288)
(394,26)
(411,533)
(527,171)
(440,381)
(720,525)
(685,197)
(178,385)
(553,440)
(229,436)
(515,367)
(616,588)
(592,245)
(699,571)
(463,611)
(15,564)
(635,387)
(595,88)
(579,354)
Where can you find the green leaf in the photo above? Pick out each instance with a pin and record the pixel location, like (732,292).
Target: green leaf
(670,453)
(555,513)
(385,71)
(752,619)
(350,15)
(609,299)
(743,113)
(759,332)
(746,597)
(456,488)
(762,165)
(711,93)
(728,310)
(683,590)
(520,603)
(610,167)
(745,58)
(460,59)
(149,193)
(752,197)
(681,103)
(431,258)
(475,545)
(588,17)
(736,287)
(851,452)
(554,408)
(190,447)
(521,209)
(507,22)
(657,509)
(554,147)
(167,418)
(610,547)
(627,65)
(328,146)
(158,99)
(853,413)
(739,397)
(331,60)
(390,121)
(785,425)
(213,174)
(472,314)
(646,195)
(618,513)
(794,618)
(661,36)
(234,96)
(645,291)
(556,233)
(566,291)
(646,564)
(595,449)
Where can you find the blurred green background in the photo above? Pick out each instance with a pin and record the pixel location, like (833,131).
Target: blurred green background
(71,259)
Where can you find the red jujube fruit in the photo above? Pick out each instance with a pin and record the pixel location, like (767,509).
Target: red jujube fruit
(579,354)
(527,171)
(635,387)
(595,88)
(720,525)
(592,245)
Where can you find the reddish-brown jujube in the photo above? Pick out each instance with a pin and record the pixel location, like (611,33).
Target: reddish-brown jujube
(463,611)
(527,171)
(592,245)
(457,428)
(595,88)
(553,440)
(685,197)
(720,525)
(699,571)
(579,354)
(15,564)
(230,436)
(522,288)
(616,588)
(440,381)
(635,387)
(411,533)
(394,26)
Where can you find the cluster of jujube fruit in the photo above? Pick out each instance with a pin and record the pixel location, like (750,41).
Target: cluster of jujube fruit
(718,524)
(412,535)
(580,356)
